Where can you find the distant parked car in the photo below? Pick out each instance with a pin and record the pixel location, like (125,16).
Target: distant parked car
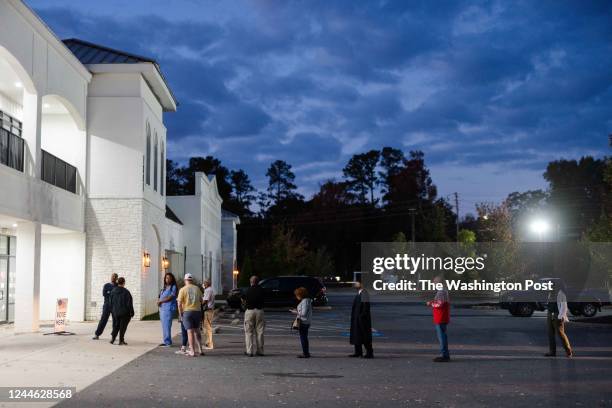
(278,291)
(523,304)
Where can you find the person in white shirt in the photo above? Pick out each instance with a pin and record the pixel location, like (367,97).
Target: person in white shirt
(556,319)
(208,301)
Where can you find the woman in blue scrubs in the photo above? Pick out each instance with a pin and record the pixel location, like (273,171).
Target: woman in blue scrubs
(167,307)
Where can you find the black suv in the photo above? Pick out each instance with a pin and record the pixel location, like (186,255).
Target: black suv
(279,291)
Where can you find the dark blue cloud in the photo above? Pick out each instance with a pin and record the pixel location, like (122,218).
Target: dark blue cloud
(487,83)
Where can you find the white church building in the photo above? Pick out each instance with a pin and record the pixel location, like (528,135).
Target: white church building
(82,179)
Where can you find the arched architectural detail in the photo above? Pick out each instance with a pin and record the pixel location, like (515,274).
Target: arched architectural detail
(148,156)
(162,169)
(155,161)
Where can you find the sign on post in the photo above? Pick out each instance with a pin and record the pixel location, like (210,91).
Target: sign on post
(61,310)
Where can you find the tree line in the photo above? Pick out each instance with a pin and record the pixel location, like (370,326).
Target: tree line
(282,232)
(382,194)
(577,204)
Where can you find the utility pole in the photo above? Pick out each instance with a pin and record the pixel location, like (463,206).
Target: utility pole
(412,212)
(457,209)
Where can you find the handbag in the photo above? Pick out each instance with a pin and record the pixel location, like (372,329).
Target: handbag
(296,324)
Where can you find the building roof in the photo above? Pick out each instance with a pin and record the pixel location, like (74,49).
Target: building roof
(94,55)
(90,53)
(229,214)
(172,216)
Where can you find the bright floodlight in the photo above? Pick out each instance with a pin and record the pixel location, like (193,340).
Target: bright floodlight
(539,227)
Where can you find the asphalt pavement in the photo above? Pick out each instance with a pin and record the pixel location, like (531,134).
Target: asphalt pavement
(497,361)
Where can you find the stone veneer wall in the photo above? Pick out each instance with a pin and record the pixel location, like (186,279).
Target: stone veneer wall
(152,277)
(114,244)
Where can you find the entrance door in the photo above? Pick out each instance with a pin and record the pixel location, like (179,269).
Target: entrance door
(7,278)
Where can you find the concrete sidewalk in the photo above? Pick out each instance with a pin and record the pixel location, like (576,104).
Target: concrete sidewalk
(35,360)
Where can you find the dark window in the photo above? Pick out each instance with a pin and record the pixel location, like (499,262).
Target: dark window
(4,143)
(148,156)
(162,162)
(11,143)
(289,284)
(270,284)
(48,168)
(59,173)
(155,162)
(71,178)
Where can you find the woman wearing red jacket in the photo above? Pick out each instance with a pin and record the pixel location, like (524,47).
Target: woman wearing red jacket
(441,316)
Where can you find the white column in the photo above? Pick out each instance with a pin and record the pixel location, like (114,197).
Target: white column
(27,278)
(32,112)
(76,294)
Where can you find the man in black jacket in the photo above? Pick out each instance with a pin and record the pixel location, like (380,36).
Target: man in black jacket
(106,291)
(254,322)
(122,309)
(361,323)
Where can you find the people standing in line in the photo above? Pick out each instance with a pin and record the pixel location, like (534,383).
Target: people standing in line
(208,301)
(556,319)
(106,311)
(122,309)
(167,307)
(190,309)
(361,324)
(254,323)
(304,317)
(441,316)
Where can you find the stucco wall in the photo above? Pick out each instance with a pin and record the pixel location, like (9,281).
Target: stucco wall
(61,274)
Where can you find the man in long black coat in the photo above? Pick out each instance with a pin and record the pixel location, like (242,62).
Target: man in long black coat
(361,323)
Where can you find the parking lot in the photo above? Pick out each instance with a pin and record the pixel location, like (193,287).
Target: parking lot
(497,360)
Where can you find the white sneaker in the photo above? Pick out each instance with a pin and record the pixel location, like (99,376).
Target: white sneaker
(183,350)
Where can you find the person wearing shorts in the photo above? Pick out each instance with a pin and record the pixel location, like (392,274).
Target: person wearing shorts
(190,308)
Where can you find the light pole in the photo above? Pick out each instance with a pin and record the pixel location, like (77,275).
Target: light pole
(539,227)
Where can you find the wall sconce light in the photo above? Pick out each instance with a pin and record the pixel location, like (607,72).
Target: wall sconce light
(165,263)
(146,259)
(235,278)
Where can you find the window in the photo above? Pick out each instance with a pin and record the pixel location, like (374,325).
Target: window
(162,169)
(270,284)
(57,172)
(148,156)
(155,163)
(11,143)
